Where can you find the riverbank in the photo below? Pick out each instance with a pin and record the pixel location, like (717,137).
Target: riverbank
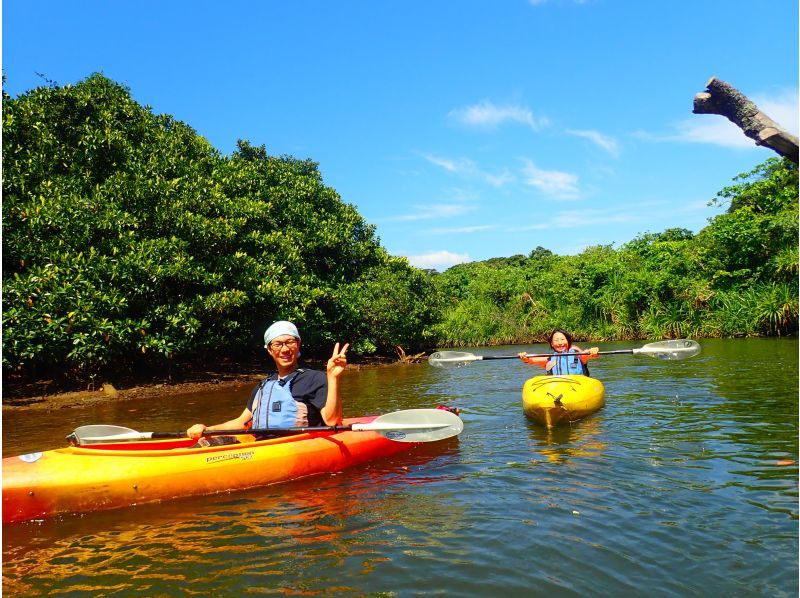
(49,395)
(108,392)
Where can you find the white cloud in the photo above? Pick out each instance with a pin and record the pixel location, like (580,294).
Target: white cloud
(460,229)
(487,115)
(461,194)
(554,183)
(496,180)
(713,129)
(446,210)
(783,109)
(579,219)
(604,141)
(466,167)
(438,260)
(446,164)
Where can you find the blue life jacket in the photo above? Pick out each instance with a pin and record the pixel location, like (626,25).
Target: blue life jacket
(276,406)
(568,362)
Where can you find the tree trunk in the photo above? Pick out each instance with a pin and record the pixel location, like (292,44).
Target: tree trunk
(720,98)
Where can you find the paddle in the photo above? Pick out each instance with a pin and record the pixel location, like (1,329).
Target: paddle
(411,425)
(674,349)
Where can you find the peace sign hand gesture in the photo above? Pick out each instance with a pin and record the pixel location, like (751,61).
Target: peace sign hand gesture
(338,361)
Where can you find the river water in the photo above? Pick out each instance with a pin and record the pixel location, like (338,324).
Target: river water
(684,484)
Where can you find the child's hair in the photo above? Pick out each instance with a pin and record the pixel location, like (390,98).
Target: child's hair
(566,334)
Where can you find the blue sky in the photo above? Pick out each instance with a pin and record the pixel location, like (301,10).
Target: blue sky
(463,130)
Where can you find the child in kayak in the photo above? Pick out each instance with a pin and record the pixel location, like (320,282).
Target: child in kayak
(567,358)
(291,397)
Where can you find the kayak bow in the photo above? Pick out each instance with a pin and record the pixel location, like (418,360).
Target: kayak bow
(552,400)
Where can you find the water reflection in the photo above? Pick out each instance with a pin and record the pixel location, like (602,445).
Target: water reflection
(294,528)
(581,439)
(685,483)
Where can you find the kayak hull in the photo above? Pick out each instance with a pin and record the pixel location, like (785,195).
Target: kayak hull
(555,400)
(99,477)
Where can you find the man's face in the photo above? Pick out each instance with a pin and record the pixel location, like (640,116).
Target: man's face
(284,350)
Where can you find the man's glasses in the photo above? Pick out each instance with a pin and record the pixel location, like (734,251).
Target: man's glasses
(278,345)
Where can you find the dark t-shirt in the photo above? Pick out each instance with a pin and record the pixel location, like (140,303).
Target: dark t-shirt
(308,386)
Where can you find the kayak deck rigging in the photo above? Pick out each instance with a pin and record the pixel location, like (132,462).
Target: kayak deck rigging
(555,400)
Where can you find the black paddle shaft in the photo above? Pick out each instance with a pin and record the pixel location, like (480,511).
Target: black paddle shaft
(272,431)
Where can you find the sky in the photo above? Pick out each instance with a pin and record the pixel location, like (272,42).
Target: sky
(461,129)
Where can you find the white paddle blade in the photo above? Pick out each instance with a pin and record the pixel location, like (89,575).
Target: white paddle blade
(416,425)
(452,359)
(681,348)
(100,433)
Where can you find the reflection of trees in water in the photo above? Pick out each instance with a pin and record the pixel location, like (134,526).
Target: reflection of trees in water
(376,390)
(738,404)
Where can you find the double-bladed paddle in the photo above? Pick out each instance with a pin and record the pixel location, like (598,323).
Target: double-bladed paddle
(672,350)
(410,425)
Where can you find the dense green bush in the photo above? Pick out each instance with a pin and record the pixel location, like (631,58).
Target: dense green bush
(736,277)
(129,242)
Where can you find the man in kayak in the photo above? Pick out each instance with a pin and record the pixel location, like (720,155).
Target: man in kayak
(292,396)
(567,358)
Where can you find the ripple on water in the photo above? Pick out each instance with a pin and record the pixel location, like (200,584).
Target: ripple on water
(674,488)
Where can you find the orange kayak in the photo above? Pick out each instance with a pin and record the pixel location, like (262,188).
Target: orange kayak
(109,476)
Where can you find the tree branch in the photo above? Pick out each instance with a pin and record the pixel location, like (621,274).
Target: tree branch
(723,99)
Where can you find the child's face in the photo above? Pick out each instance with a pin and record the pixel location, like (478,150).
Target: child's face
(559,342)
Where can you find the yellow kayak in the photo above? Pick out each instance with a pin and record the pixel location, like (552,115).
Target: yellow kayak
(552,400)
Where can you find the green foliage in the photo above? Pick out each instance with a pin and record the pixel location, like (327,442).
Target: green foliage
(767,309)
(394,305)
(753,240)
(737,277)
(129,242)
(770,188)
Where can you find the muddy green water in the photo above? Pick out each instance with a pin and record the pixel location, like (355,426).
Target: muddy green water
(679,486)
